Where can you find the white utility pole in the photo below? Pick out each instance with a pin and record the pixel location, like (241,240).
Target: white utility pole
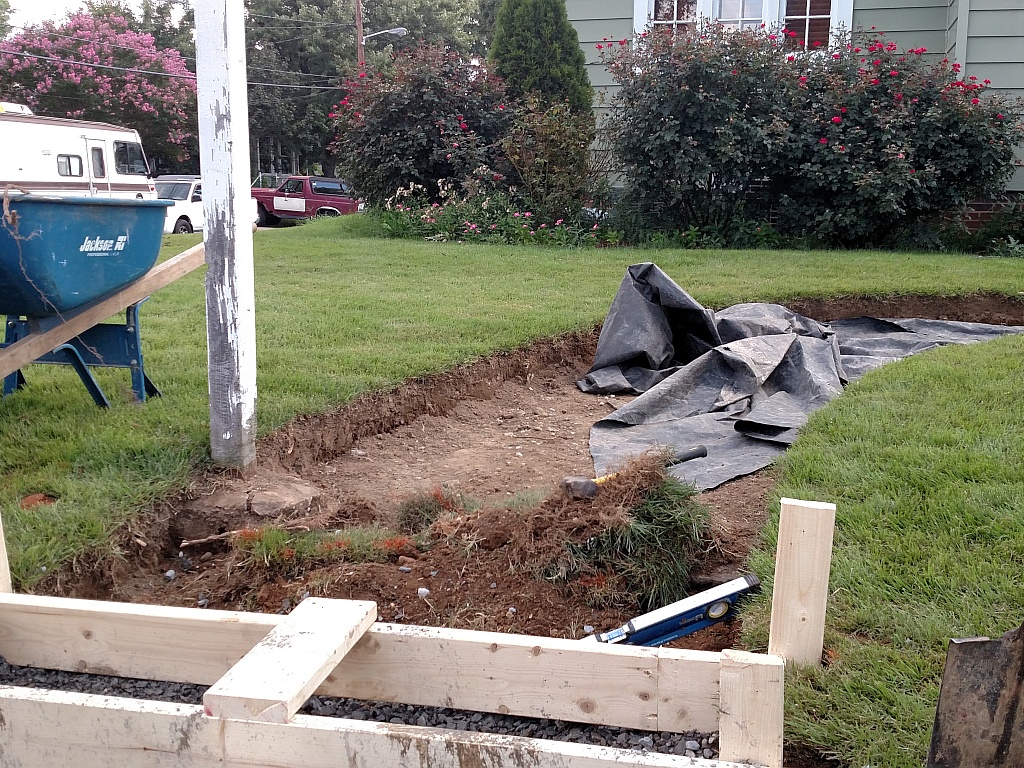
(230,294)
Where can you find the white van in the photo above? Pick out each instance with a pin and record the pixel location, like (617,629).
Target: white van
(186,214)
(63,157)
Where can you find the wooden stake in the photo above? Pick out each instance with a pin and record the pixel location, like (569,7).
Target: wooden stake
(230,292)
(752,707)
(5,567)
(800,594)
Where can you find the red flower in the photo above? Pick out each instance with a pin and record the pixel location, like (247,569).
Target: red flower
(463,126)
(362,74)
(875,81)
(843,110)
(893,73)
(975,101)
(837,120)
(912,170)
(599,46)
(823,140)
(999,115)
(623,42)
(803,79)
(735,72)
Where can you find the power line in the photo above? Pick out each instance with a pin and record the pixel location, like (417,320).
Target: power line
(185,58)
(187,76)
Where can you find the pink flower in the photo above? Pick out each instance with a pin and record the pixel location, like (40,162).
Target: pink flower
(362,74)
(893,73)
(837,120)
(875,81)
(843,110)
(735,72)
(999,115)
(975,101)
(515,215)
(463,126)
(560,221)
(455,145)
(599,46)
(823,140)
(912,170)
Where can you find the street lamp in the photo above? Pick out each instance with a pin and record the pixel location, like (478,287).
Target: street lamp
(396,31)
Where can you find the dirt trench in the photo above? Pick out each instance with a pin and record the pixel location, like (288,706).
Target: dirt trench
(504,429)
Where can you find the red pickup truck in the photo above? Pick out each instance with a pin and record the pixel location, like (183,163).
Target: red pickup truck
(303,197)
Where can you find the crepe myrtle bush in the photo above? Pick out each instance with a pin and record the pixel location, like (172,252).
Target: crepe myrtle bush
(882,139)
(848,145)
(434,116)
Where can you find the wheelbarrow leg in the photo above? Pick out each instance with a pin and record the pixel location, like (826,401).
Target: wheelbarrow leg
(76,361)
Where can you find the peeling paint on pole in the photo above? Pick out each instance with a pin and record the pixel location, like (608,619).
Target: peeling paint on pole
(230,292)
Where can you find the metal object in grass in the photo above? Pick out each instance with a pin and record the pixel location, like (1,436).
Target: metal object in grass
(683,617)
(979,720)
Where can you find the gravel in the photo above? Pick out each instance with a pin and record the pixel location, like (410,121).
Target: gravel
(690,744)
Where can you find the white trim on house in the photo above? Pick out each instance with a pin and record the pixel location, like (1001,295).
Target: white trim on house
(963,14)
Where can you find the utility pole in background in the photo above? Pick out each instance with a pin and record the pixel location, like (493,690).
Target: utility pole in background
(359,33)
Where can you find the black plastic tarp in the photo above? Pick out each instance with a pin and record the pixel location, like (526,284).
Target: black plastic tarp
(741,381)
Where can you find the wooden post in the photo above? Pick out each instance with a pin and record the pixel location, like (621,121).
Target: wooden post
(752,708)
(230,295)
(802,561)
(5,567)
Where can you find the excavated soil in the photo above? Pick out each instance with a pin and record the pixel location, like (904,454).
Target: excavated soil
(504,430)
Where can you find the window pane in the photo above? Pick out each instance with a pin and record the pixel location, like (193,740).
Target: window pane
(752,9)
(664,10)
(799,26)
(99,168)
(796,7)
(820,7)
(817,31)
(731,9)
(69,165)
(675,10)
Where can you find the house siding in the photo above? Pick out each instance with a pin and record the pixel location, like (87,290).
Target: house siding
(596,20)
(995,50)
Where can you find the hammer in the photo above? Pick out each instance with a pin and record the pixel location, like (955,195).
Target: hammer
(586,488)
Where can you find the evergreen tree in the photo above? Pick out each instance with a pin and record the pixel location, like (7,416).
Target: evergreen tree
(5,17)
(536,49)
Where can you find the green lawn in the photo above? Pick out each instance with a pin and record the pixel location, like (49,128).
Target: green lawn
(923,458)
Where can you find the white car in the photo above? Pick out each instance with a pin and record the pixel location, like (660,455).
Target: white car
(186,215)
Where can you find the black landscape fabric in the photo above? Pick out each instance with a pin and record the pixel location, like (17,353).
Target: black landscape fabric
(741,381)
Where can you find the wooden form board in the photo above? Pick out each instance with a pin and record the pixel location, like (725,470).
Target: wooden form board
(657,689)
(273,680)
(57,728)
(25,351)
(751,727)
(803,559)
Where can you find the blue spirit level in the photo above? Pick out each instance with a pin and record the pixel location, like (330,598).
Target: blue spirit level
(682,617)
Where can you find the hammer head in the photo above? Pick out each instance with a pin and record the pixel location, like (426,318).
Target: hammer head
(579,487)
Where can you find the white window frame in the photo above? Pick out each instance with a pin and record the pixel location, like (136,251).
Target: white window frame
(772,12)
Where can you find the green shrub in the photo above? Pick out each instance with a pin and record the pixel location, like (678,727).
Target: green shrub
(548,151)
(536,50)
(436,116)
(850,145)
(881,139)
(697,123)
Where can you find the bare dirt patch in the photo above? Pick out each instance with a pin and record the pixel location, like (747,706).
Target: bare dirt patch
(509,425)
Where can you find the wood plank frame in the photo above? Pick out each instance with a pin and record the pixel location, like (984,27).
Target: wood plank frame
(87,731)
(738,694)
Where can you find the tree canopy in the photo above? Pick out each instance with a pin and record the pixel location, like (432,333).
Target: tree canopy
(536,49)
(5,16)
(99,68)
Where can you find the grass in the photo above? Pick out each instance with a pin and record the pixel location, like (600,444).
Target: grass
(925,462)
